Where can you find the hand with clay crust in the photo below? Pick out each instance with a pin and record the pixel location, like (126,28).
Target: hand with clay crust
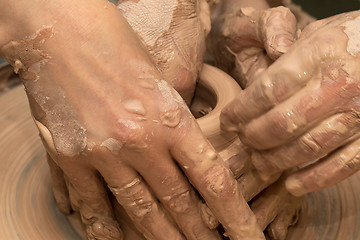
(178,60)
(165,28)
(274,207)
(104,111)
(304,109)
(247,36)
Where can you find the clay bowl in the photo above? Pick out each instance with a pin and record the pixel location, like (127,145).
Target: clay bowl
(214,91)
(28,210)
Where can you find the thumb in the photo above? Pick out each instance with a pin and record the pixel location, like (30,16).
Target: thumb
(277,30)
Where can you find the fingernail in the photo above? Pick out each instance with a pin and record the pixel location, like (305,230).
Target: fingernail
(283,43)
(282,49)
(295,186)
(102,230)
(208,217)
(64,207)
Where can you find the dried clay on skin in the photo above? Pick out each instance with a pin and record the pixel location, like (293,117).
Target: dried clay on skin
(352,30)
(130,196)
(165,29)
(153,22)
(113,145)
(27,57)
(46,135)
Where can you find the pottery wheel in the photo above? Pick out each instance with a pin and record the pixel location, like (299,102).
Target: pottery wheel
(28,210)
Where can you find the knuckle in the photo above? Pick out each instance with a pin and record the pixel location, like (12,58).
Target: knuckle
(134,198)
(217,181)
(277,128)
(284,125)
(262,163)
(266,90)
(105,229)
(131,134)
(141,207)
(179,200)
(354,163)
(353,117)
(310,146)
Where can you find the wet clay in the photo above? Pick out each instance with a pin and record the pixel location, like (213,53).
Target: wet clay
(135,106)
(171,118)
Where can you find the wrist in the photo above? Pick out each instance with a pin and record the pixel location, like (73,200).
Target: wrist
(73,34)
(21,19)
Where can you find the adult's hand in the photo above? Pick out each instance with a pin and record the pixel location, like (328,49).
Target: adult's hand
(104,111)
(247,36)
(165,29)
(305,108)
(274,207)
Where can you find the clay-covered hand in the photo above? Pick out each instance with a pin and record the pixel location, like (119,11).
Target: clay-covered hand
(247,36)
(174,33)
(178,60)
(108,118)
(305,108)
(274,207)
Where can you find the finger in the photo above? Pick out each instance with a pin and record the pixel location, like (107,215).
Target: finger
(288,217)
(237,158)
(316,143)
(251,183)
(208,217)
(269,203)
(314,26)
(295,116)
(249,63)
(249,180)
(327,172)
(238,164)
(60,189)
(88,194)
(280,81)
(176,194)
(134,195)
(207,172)
(277,29)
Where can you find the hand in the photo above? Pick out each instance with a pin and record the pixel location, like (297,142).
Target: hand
(274,207)
(304,108)
(104,111)
(165,30)
(188,56)
(246,37)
